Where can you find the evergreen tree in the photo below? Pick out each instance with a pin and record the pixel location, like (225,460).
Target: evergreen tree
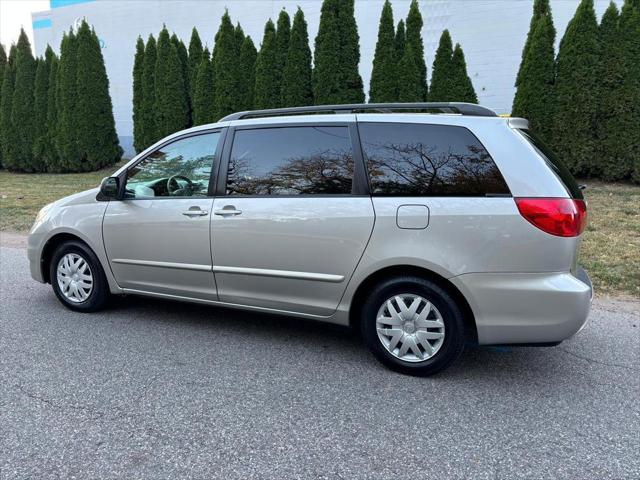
(541,8)
(172,102)
(410,88)
(239,36)
(66,139)
(6,100)
(225,69)
(414,37)
(335,75)
(41,105)
(183,56)
(48,151)
(349,53)
(400,40)
(195,57)
(576,92)
(630,131)
(442,71)
(296,81)
(248,56)
(534,98)
(3,66)
(22,109)
(384,84)
(148,131)
(283,37)
(203,95)
(612,105)
(462,88)
(138,85)
(96,129)
(267,91)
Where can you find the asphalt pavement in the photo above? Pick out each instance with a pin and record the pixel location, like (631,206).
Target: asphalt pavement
(156,389)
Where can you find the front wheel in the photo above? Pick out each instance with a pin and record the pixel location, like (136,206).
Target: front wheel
(77,278)
(413,326)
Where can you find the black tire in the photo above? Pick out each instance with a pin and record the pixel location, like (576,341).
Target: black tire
(99,295)
(454,339)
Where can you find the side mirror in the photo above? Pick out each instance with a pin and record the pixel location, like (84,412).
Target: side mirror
(109,188)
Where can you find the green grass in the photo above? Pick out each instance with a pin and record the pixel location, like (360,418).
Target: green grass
(610,251)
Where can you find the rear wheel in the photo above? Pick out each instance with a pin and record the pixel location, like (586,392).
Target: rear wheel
(413,326)
(77,277)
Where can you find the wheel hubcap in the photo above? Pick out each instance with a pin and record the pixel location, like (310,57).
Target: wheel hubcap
(74,278)
(410,328)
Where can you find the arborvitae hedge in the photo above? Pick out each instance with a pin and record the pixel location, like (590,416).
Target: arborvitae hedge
(22,109)
(534,98)
(462,88)
(410,88)
(630,131)
(66,105)
(42,144)
(349,53)
(195,57)
(6,100)
(384,81)
(248,56)
(400,40)
(541,8)
(611,101)
(267,94)
(3,65)
(183,56)
(442,71)
(225,69)
(296,81)
(148,131)
(203,95)
(576,92)
(138,87)
(283,36)
(414,37)
(49,152)
(163,50)
(95,127)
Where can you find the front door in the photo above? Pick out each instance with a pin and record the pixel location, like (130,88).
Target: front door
(157,236)
(292,226)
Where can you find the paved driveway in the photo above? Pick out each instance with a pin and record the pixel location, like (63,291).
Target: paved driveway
(152,389)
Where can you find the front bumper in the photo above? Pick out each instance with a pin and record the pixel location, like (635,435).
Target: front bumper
(527,308)
(34,254)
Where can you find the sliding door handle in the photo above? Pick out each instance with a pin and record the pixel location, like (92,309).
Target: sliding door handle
(228,211)
(195,212)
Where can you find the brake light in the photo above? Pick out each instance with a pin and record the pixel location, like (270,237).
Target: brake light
(563,217)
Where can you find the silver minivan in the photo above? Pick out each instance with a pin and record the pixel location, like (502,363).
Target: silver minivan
(425,226)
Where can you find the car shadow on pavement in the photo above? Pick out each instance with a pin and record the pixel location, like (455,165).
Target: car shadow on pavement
(492,363)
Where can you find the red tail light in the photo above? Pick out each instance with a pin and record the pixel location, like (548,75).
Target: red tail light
(564,217)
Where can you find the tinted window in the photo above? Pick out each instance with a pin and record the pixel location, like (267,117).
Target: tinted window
(291,161)
(179,169)
(555,163)
(433,160)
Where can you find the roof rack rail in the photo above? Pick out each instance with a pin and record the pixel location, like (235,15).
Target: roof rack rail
(444,107)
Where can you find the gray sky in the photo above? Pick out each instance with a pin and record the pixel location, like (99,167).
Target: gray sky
(15,14)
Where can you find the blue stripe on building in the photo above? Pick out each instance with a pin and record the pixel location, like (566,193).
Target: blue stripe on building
(42,23)
(66,3)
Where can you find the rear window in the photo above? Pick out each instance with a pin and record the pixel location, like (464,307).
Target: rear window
(428,160)
(555,163)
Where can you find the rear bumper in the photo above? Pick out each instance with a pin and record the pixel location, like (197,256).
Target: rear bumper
(527,308)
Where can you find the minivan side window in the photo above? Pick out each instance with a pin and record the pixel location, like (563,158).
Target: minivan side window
(178,169)
(291,161)
(428,160)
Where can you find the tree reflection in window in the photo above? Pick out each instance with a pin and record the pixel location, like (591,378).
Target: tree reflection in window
(191,158)
(432,160)
(291,161)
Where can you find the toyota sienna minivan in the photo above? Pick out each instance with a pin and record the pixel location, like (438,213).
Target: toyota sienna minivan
(426,226)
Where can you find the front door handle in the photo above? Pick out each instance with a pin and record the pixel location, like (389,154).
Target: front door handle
(228,211)
(195,212)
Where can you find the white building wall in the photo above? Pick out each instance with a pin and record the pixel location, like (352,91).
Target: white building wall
(491,32)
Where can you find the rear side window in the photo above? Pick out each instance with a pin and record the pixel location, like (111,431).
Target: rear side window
(555,163)
(428,160)
(291,161)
